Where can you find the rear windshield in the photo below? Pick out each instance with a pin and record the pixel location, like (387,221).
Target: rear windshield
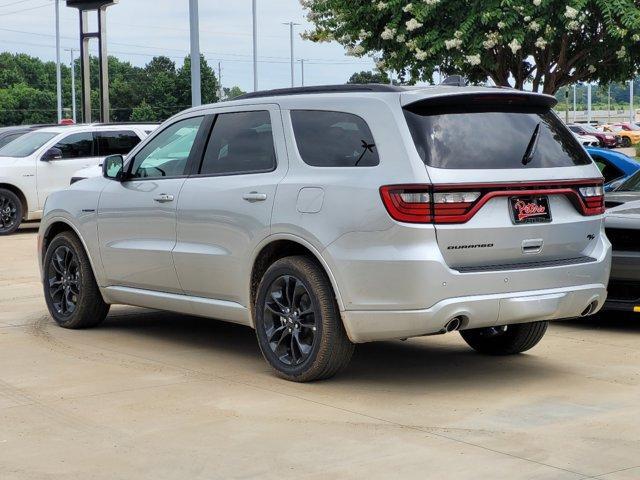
(492,137)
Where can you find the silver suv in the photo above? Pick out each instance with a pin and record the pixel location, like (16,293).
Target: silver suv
(328,216)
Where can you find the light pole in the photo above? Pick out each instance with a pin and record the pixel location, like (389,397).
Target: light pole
(196,94)
(632,116)
(302,71)
(588,104)
(291,25)
(58,73)
(609,104)
(574,104)
(255,46)
(73,85)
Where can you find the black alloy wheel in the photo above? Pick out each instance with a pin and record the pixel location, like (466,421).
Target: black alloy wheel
(10,212)
(289,320)
(63,275)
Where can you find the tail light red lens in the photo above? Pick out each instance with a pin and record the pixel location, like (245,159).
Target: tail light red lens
(459,203)
(408,203)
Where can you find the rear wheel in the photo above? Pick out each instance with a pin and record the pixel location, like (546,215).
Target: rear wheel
(298,322)
(10,212)
(505,340)
(626,142)
(70,289)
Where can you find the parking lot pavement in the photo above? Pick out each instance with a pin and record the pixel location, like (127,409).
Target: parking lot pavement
(163,396)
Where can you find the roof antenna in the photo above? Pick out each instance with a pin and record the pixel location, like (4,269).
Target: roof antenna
(455,81)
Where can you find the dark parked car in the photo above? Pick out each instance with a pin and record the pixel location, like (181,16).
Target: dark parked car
(606,139)
(9,134)
(622,225)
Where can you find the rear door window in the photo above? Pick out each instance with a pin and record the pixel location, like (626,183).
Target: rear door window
(116,142)
(333,139)
(492,137)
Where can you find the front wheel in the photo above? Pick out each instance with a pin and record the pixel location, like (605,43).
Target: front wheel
(298,324)
(10,212)
(505,340)
(70,289)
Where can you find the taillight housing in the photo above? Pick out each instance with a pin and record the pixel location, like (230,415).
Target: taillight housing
(458,203)
(408,203)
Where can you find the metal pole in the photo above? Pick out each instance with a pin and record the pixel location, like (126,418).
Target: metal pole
(73,86)
(58,73)
(566,106)
(84,66)
(104,66)
(291,41)
(589,104)
(302,70)
(220,89)
(609,104)
(632,116)
(574,104)
(196,93)
(255,46)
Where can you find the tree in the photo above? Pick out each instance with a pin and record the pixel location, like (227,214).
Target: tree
(209,83)
(547,43)
(144,113)
(369,77)
(233,92)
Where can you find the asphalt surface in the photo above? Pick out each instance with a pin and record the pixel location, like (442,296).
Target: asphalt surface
(153,395)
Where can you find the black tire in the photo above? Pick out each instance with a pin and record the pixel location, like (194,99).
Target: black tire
(10,212)
(506,340)
(313,321)
(70,288)
(626,142)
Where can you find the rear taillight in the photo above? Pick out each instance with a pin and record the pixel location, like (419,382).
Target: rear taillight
(408,203)
(593,198)
(459,203)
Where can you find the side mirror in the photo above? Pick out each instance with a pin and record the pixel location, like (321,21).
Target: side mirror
(52,154)
(112,167)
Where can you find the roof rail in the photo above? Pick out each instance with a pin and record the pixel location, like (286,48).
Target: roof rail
(345,88)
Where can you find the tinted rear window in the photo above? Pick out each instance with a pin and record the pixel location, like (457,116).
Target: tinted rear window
(491,137)
(116,142)
(333,139)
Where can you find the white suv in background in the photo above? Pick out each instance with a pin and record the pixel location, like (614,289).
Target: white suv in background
(328,216)
(43,161)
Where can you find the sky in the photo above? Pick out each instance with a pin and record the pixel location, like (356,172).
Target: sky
(138,30)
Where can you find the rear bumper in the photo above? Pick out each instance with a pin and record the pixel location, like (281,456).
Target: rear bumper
(476,312)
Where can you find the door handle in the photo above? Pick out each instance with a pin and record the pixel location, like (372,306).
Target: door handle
(254,197)
(163,198)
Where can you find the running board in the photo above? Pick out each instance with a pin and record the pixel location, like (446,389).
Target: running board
(202,307)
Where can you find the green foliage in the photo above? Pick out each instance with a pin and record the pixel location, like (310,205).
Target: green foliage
(151,93)
(233,92)
(545,43)
(369,77)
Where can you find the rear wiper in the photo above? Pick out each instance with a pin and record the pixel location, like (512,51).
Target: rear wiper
(531,148)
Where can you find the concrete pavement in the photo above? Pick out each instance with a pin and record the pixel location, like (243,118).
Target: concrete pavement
(152,395)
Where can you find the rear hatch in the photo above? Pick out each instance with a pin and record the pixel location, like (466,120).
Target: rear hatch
(510,183)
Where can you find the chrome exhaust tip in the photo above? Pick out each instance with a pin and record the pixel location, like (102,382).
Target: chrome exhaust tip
(590,309)
(453,324)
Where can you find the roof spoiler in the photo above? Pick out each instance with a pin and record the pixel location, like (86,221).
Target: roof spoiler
(498,96)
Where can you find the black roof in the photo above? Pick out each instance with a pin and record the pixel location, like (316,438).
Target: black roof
(346,88)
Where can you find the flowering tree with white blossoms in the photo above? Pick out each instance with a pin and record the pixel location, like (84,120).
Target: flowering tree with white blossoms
(545,44)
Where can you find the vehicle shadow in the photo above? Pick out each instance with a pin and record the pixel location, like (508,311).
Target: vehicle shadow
(417,364)
(606,321)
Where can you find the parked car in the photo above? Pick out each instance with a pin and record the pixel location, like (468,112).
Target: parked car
(608,140)
(9,134)
(623,230)
(96,170)
(587,140)
(328,216)
(41,162)
(626,191)
(615,167)
(628,135)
